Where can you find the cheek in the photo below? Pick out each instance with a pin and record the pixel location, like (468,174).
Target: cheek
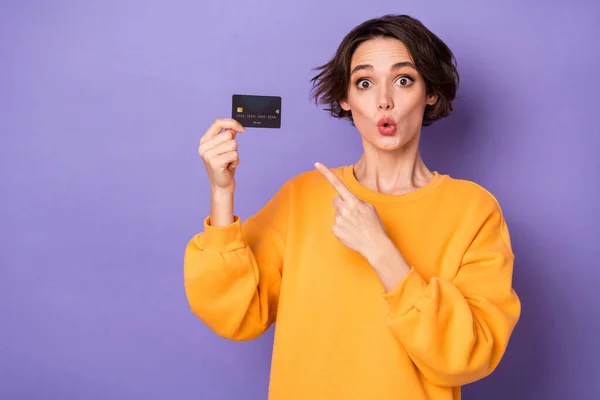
(362,123)
(361,105)
(411,106)
(359,114)
(356,101)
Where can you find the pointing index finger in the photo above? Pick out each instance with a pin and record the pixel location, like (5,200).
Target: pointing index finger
(336,182)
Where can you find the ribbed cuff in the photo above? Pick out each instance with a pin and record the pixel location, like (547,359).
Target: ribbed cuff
(405,295)
(224,238)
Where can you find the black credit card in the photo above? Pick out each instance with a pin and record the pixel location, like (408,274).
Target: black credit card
(256,111)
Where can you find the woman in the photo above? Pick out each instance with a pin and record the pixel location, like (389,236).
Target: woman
(387,280)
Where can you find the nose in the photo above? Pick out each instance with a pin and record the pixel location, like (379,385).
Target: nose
(385,100)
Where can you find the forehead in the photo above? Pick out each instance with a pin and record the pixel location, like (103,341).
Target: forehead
(380,51)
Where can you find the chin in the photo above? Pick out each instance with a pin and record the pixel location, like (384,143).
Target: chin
(389,143)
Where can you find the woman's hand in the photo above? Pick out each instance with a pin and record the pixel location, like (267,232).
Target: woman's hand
(357,224)
(359,227)
(218,150)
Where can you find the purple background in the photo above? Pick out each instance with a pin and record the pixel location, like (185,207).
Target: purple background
(101,109)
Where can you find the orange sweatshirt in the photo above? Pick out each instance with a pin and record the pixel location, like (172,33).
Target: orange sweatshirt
(339,335)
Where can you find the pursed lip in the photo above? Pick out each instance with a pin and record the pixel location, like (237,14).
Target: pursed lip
(386,121)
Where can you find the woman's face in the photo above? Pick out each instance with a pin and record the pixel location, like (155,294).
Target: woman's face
(386,90)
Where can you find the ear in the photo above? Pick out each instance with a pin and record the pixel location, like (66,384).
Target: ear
(432,99)
(345,106)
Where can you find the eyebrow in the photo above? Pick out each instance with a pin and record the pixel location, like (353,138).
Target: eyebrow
(395,66)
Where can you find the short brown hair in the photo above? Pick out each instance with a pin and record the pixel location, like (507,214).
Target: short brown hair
(433,59)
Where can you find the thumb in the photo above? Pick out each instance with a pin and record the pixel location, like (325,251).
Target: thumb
(233,165)
(233,133)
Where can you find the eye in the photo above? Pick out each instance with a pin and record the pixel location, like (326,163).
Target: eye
(363,84)
(404,81)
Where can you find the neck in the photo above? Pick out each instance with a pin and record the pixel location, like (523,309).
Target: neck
(392,172)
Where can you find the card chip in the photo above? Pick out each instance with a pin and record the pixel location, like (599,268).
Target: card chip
(240,109)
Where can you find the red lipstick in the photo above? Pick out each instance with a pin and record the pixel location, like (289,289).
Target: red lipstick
(386,126)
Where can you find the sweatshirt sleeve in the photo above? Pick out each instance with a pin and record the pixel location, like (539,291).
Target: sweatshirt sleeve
(232,274)
(457,330)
